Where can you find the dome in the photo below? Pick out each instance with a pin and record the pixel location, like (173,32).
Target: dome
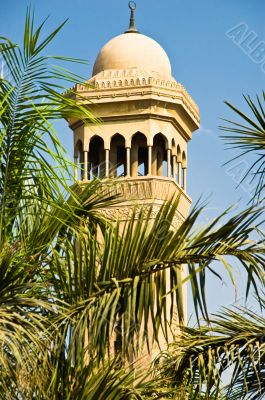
(133,50)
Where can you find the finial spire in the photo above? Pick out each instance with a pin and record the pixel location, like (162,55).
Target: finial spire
(132,27)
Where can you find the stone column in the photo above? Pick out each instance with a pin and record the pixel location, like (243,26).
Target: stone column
(128,161)
(150,151)
(107,162)
(168,163)
(184,183)
(76,168)
(154,162)
(179,173)
(85,165)
(134,160)
(174,159)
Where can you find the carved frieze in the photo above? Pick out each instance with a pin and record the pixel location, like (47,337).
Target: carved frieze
(139,192)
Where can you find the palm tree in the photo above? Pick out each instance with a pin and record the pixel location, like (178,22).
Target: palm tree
(247,136)
(65,296)
(221,360)
(225,358)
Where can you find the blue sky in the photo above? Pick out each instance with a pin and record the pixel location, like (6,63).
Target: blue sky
(204,59)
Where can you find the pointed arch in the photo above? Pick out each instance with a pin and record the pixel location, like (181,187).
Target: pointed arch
(139,155)
(179,158)
(179,165)
(174,159)
(79,159)
(96,157)
(117,155)
(184,171)
(159,155)
(174,147)
(184,160)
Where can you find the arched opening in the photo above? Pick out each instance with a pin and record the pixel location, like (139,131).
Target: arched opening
(139,155)
(117,156)
(96,158)
(179,166)
(79,160)
(184,160)
(174,160)
(159,158)
(174,148)
(184,170)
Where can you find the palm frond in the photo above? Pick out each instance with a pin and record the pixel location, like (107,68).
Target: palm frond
(248,137)
(128,286)
(224,358)
(30,99)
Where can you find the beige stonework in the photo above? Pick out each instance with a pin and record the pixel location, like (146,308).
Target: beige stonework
(146,192)
(145,120)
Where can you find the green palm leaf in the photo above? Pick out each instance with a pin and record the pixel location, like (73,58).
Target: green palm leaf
(248,137)
(230,350)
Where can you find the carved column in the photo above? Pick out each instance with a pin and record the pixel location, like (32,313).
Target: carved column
(168,163)
(134,160)
(179,173)
(184,183)
(174,159)
(128,161)
(150,160)
(107,162)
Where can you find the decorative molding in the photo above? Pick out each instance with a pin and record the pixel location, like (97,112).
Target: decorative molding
(124,214)
(134,78)
(149,191)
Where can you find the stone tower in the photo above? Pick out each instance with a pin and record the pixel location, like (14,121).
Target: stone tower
(147,119)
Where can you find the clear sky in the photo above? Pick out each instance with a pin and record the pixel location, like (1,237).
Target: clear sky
(204,59)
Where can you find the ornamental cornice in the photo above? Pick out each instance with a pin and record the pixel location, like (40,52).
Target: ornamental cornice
(103,96)
(135,192)
(130,80)
(126,213)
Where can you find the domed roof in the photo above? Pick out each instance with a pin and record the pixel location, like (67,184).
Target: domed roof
(133,50)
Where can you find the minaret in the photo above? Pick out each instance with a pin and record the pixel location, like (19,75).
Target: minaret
(147,119)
